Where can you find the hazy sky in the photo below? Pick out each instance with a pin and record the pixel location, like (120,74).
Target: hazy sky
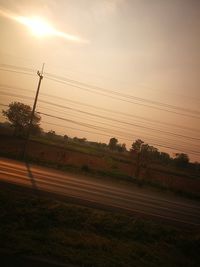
(144,48)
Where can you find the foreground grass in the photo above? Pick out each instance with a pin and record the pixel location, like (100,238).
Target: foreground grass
(37,226)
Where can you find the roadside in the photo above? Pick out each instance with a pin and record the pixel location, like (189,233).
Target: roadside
(9,259)
(82,160)
(39,227)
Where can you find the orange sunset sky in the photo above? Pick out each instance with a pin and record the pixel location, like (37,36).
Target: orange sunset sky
(113,68)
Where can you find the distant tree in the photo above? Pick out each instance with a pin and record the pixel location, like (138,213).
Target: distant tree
(19,116)
(83,140)
(51,134)
(75,139)
(113,143)
(136,153)
(121,147)
(143,154)
(164,157)
(137,145)
(181,160)
(79,140)
(65,138)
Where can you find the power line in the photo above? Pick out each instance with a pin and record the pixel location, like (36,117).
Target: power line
(83,85)
(89,126)
(101,129)
(77,129)
(107,110)
(17,67)
(104,129)
(5,86)
(121,113)
(119,121)
(120,99)
(17,95)
(107,118)
(58,78)
(15,71)
(130,135)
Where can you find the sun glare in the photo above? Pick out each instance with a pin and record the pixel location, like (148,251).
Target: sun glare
(37,26)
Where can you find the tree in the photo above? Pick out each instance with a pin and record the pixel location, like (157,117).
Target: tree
(181,159)
(137,145)
(164,157)
(19,115)
(143,154)
(121,147)
(65,138)
(51,134)
(113,143)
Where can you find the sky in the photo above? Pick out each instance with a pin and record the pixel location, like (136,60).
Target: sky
(146,54)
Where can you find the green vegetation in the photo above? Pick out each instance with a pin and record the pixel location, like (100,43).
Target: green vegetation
(80,158)
(42,227)
(142,164)
(19,116)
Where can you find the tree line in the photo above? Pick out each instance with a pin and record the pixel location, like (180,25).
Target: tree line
(19,114)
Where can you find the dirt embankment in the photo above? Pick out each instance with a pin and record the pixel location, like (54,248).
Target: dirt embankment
(54,154)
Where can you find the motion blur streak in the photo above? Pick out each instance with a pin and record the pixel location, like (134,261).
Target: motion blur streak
(40,27)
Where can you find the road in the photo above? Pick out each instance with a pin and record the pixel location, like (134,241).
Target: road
(103,194)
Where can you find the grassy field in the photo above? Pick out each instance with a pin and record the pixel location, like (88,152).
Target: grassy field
(41,227)
(96,162)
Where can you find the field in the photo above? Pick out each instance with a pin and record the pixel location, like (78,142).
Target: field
(43,228)
(94,161)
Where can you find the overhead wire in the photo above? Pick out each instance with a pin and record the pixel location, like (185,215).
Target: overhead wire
(22,70)
(141,135)
(125,138)
(17,71)
(107,118)
(77,129)
(106,109)
(120,113)
(83,86)
(17,67)
(89,113)
(119,121)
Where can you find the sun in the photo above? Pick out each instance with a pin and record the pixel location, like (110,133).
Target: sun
(38,26)
(41,28)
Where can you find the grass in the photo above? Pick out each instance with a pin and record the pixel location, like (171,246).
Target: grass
(110,160)
(113,174)
(43,227)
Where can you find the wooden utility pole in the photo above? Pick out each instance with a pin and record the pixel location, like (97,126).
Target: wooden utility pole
(40,74)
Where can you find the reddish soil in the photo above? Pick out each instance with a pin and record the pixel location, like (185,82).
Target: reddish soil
(42,152)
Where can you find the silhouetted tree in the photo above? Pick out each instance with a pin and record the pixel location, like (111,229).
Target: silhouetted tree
(164,157)
(137,145)
(113,143)
(19,115)
(181,159)
(143,153)
(136,152)
(51,134)
(121,147)
(65,138)
(79,140)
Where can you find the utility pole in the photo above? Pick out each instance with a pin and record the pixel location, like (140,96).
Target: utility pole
(40,74)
